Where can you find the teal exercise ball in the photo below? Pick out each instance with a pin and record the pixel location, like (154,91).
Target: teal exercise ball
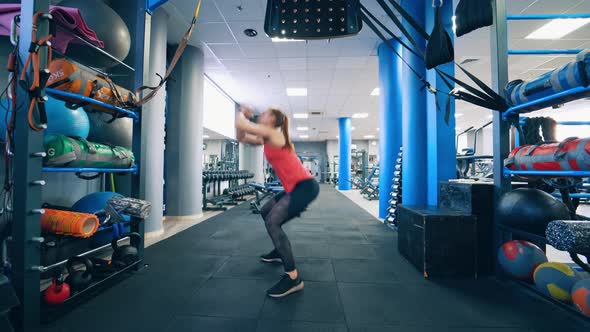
(61,120)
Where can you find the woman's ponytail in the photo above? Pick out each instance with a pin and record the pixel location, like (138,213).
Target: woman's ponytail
(283,121)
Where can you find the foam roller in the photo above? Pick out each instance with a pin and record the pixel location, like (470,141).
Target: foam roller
(69,223)
(569,235)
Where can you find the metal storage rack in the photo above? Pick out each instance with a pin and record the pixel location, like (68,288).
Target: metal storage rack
(26,235)
(502,121)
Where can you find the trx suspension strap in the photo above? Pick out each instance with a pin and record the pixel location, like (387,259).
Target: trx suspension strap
(175,58)
(487,98)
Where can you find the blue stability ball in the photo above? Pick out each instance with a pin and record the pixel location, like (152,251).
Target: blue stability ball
(65,121)
(94,202)
(519,259)
(556,280)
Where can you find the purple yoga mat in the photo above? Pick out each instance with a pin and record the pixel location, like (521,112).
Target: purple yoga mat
(69,18)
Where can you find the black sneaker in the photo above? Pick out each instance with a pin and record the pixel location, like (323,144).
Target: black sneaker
(285,286)
(271,257)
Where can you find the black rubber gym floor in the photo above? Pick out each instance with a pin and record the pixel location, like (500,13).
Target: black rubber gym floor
(209,278)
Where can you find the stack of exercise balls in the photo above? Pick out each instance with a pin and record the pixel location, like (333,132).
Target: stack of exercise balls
(531,210)
(525,261)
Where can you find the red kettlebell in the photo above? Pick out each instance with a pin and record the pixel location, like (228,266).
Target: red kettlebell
(58,292)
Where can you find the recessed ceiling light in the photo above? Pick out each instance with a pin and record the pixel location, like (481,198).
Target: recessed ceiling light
(300,115)
(374,143)
(369,136)
(296,92)
(360,115)
(251,32)
(454,18)
(558,28)
(284,40)
(375,92)
(302,128)
(303,136)
(205,136)
(337,136)
(353,128)
(458,115)
(491,116)
(377,129)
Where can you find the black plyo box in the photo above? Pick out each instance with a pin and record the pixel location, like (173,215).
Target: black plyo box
(439,242)
(474,198)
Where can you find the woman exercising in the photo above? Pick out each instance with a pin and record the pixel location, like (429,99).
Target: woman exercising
(272,131)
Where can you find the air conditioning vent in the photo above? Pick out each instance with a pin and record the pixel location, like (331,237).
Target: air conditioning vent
(315,113)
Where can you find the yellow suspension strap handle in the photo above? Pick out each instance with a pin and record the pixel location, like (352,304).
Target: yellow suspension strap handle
(177,55)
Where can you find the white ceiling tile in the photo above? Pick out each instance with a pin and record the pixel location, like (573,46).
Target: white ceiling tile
(356,47)
(252,65)
(351,62)
(318,75)
(322,48)
(320,63)
(217,33)
(294,75)
(258,50)
(226,51)
(318,91)
(551,6)
(293,64)
(317,102)
(240,10)
(291,49)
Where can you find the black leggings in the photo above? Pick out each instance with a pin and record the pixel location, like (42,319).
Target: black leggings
(282,208)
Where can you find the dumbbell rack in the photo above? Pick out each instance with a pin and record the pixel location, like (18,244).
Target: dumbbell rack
(396,192)
(213,179)
(26,241)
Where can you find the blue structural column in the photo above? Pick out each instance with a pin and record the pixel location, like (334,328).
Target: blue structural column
(414,117)
(390,119)
(441,136)
(344,162)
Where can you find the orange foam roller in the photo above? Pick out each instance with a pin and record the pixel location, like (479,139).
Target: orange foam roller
(69,223)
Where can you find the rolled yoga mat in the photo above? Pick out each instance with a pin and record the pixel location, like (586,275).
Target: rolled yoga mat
(569,235)
(69,223)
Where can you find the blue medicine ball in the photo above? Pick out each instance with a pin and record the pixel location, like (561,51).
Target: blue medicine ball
(556,280)
(519,259)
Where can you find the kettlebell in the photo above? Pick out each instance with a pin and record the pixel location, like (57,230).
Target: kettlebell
(58,291)
(125,255)
(79,280)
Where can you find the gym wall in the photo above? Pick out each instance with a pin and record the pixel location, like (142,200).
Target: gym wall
(315,148)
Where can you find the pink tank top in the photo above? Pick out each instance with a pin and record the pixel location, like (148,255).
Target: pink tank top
(287,166)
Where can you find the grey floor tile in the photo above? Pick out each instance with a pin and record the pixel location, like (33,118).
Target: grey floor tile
(213,324)
(318,302)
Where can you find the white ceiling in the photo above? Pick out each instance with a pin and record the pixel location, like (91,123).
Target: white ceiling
(340,74)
